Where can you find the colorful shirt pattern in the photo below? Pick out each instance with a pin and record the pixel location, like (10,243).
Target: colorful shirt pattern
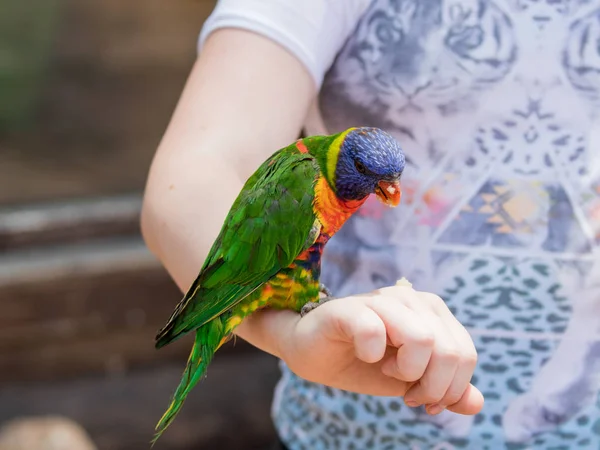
(496,104)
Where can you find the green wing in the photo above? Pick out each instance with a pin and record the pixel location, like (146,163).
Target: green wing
(268,226)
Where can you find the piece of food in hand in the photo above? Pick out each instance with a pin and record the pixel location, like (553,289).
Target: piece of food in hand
(268,253)
(403,282)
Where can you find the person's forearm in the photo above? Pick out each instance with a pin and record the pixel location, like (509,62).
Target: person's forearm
(245,98)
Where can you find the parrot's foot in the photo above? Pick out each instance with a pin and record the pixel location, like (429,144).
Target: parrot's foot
(325,290)
(312,305)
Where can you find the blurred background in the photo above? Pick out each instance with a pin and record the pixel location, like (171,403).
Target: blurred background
(86,90)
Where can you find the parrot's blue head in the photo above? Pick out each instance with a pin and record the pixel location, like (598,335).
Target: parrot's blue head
(370,161)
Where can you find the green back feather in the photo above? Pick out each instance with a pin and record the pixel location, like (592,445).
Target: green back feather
(270,223)
(268,226)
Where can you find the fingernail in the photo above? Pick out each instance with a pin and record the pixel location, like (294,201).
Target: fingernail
(435,409)
(411,403)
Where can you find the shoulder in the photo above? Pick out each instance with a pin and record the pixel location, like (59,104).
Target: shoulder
(312,30)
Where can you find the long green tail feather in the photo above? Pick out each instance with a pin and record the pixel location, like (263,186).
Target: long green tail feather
(209,338)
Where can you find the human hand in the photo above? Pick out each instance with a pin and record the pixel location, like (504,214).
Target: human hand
(392,342)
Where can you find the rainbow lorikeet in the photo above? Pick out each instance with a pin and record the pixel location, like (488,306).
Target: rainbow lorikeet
(268,253)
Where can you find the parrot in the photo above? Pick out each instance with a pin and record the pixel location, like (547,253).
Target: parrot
(268,251)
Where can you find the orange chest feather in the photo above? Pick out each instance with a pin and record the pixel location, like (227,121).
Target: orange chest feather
(330,210)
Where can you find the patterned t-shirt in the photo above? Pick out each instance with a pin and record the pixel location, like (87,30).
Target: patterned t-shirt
(497,106)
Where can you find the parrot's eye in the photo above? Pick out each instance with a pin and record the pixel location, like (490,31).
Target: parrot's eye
(360,167)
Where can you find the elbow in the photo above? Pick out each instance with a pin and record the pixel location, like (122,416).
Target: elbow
(186,199)
(148,223)
(178,192)
(154,208)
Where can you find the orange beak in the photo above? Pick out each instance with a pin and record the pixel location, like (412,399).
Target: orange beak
(388,192)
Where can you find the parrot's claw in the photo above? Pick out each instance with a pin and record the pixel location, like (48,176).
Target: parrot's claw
(312,305)
(325,290)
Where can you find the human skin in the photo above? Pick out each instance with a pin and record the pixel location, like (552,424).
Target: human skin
(246,97)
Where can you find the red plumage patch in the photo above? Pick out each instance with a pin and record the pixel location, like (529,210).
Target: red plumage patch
(300,145)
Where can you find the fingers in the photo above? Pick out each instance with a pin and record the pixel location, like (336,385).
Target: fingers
(444,381)
(467,354)
(368,379)
(440,372)
(470,403)
(409,333)
(466,365)
(360,325)
(424,353)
